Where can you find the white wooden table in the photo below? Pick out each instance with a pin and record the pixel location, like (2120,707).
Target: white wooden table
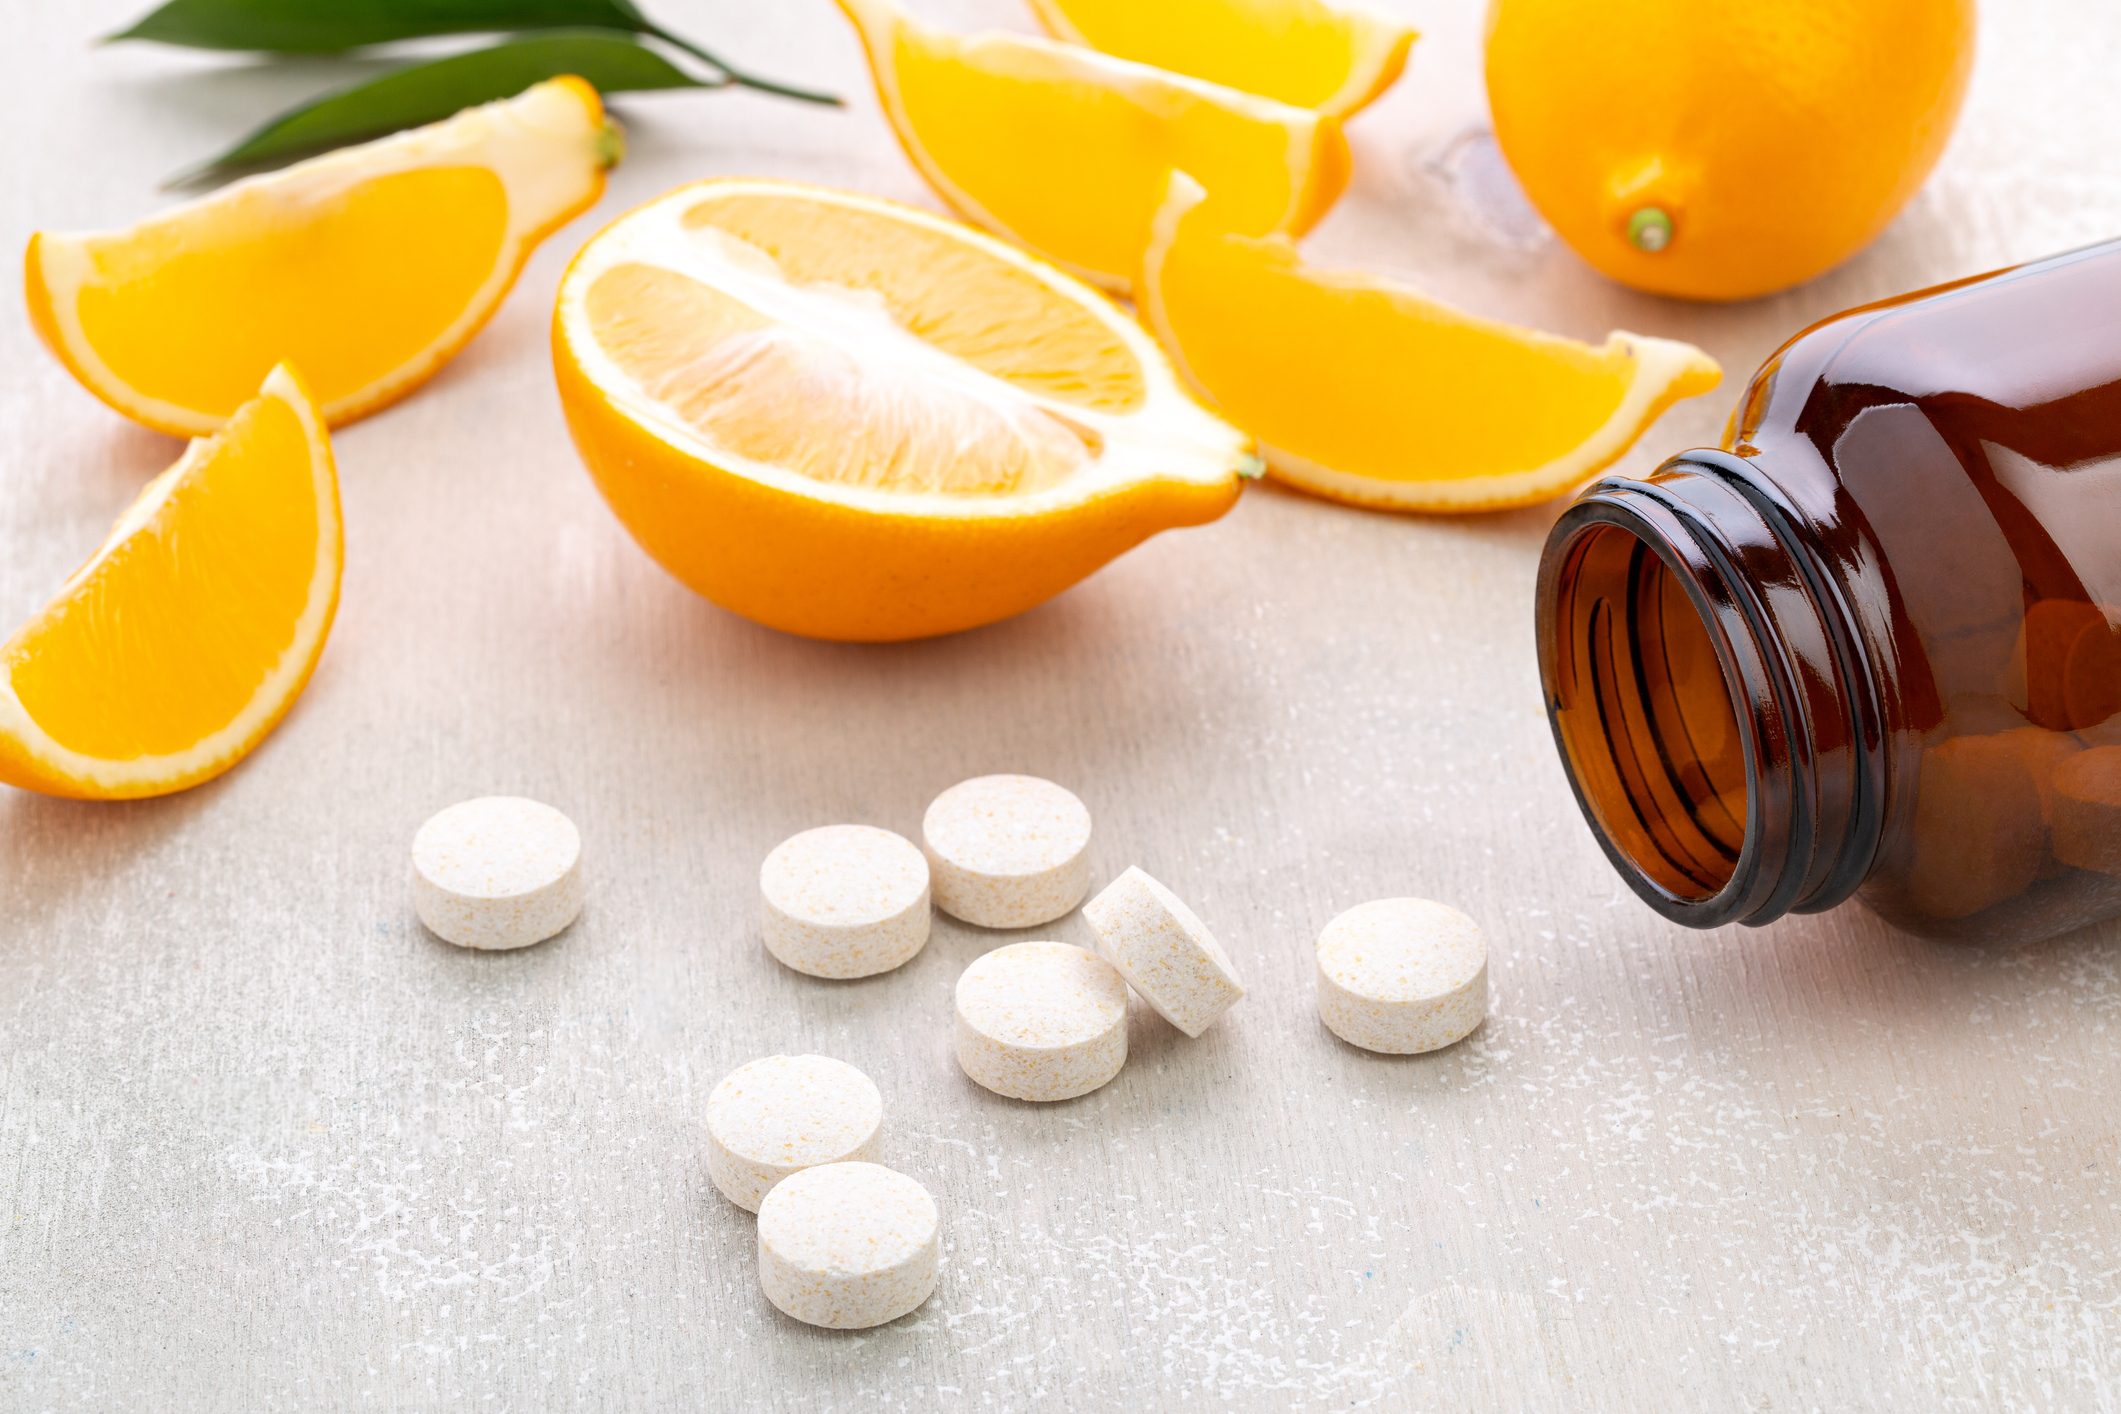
(266,1145)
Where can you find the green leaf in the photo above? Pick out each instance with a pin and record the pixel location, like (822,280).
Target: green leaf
(431,91)
(331,26)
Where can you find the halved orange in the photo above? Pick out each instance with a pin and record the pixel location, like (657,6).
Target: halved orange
(368,268)
(187,636)
(1332,57)
(846,418)
(1066,150)
(1368,391)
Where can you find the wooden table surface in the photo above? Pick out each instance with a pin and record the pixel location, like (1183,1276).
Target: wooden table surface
(264,1144)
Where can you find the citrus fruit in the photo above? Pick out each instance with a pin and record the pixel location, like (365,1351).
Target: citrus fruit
(1065,150)
(186,637)
(849,419)
(1308,53)
(1370,392)
(1717,149)
(367,268)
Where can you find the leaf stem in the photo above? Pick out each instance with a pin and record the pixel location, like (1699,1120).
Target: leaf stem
(735,75)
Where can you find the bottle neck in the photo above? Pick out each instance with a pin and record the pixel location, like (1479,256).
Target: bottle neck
(1710,693)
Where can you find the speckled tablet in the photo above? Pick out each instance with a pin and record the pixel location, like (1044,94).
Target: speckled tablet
(1164,951)
(1402,975)
(845,901)
(1008,851)
(1041,1021)
(497,872)
(779,1115)
(848,1245)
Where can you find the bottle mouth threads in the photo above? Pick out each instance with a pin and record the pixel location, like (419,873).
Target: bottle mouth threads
(1709,695)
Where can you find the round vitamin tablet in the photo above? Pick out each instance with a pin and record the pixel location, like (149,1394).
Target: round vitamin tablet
(845,901)
(1402,975)
(848,1245)
(1164,951)
(1008,851)
(1041,1021)
(497,872)
(782,1114)
(2087,809)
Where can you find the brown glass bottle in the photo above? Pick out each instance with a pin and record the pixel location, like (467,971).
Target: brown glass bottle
(1873,645)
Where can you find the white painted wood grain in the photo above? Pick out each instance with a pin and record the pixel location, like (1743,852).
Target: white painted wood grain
(264,1145)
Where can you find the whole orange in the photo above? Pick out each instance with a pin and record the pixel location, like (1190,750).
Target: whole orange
(1721,149)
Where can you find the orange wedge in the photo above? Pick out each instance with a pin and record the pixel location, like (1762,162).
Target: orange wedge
(1370,392)
(367,268)
(1066,150)
(1335,58)
(184,640)
(849,419)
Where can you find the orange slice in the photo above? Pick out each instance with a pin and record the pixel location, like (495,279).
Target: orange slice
(849,419)
(368,268)
(1334,58)
(184,640)
(1067,150)
(1370,392)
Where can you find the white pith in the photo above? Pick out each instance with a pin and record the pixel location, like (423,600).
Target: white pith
(879,19)
(1659,363)
(1168,437)
(542,144)
(140,518)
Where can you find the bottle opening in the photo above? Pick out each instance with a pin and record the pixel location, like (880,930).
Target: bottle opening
(1644,715)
